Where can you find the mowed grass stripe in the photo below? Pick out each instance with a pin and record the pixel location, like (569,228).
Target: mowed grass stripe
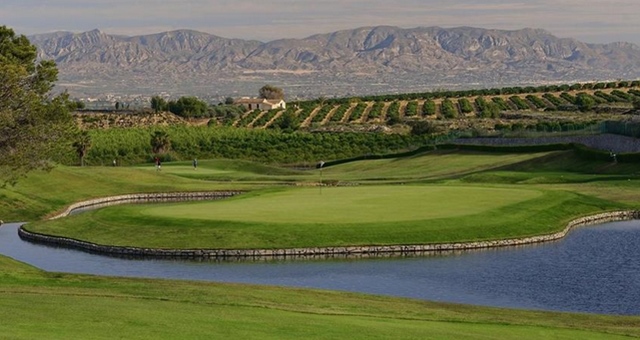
(434,164)
(344,205)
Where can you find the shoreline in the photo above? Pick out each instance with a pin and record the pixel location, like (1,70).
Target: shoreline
(285,253)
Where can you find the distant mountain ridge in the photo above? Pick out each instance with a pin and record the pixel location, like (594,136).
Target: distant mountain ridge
(461,55)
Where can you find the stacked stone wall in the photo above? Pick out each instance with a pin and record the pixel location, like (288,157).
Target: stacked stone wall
(146,198)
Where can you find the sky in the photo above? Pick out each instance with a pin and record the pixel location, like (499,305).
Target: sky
(593,21)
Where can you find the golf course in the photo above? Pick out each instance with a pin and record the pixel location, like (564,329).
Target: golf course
(434,197)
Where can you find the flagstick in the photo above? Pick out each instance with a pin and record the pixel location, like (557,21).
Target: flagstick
(321,184)
(320,180)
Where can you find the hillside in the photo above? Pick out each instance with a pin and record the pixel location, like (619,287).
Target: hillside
(360,61)
(545,108)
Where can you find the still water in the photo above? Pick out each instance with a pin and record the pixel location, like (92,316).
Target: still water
(595,269)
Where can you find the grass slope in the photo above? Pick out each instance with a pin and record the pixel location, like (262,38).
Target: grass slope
(44,305)
(42,193)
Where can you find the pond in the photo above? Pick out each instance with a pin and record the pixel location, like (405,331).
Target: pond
(595,269)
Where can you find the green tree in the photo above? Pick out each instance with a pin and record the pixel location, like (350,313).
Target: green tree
(448,109)
(76,105)
(636,104)
(158,104)
(189,107)
(585,102)
(288,122)
(271,92)
(160,142)
(35,127)
(82,144)
(422,127)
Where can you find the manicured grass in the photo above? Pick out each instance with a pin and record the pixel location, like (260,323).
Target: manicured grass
(225,170)
(431,165)
(368,215)
(308,217)
(43,305)
(346,205)
(42,193)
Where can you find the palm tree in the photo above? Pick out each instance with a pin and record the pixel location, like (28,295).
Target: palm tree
(160,142)
(82,145)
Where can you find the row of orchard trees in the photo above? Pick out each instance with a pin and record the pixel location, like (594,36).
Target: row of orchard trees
(271,145)
(356,111)
(439,94)
(450,104)
(447,104)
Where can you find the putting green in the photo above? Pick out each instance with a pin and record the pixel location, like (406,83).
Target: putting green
(365,204)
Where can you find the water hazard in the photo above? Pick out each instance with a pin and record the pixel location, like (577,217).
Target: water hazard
(595,269)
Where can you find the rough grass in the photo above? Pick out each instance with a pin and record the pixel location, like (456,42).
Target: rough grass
(43,305)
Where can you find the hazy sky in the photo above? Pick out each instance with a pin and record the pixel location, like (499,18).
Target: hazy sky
(586,20)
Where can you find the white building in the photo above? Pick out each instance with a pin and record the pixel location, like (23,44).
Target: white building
(261,104)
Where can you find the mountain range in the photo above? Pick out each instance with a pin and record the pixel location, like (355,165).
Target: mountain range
(364,60)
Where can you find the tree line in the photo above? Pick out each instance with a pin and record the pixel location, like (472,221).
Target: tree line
(136,145)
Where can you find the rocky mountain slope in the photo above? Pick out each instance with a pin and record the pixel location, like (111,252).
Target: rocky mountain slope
(357,61)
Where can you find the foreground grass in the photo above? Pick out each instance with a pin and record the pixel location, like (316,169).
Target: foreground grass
(43,305)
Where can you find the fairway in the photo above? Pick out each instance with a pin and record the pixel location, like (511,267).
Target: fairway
(365,204)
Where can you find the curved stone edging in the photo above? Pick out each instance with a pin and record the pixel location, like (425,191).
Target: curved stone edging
(290,252)
(147,197)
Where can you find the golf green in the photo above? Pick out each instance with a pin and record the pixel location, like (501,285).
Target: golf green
(364,204)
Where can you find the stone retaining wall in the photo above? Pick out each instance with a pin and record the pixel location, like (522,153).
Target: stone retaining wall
(302,253)
(148,197)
